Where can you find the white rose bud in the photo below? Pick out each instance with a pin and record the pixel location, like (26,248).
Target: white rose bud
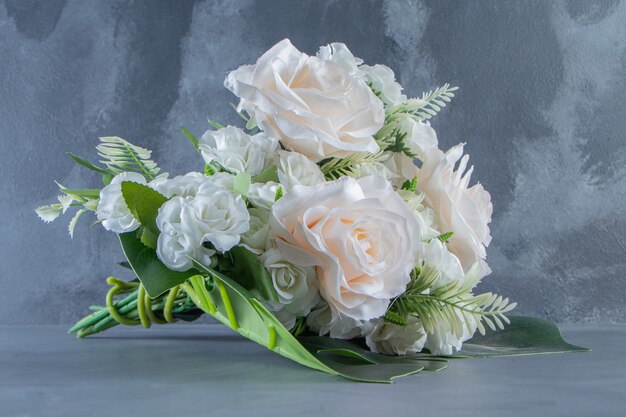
(296,169)
(237,151)
(383,81)
(391,339)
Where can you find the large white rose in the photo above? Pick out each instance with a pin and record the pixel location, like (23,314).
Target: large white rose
(464,210)
(237,151)
(112,210)
(391,339)
(313,106)
(296,169)
(215,215)
(359,234)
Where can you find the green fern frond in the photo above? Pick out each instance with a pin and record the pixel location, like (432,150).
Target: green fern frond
(423,108)
(350,166)
(451,307)
(119,155)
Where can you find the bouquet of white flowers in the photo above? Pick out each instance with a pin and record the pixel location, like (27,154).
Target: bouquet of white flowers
(311,231)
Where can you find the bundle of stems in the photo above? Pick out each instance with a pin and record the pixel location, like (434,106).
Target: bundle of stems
(135,307)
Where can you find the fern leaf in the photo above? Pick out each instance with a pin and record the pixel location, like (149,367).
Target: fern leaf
(119,155)
(350,166)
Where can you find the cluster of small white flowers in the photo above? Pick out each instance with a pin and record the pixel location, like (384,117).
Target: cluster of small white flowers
(338,252)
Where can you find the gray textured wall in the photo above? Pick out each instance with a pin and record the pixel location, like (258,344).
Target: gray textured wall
(541,106)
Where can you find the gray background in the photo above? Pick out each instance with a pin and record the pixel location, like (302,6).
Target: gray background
(541,106)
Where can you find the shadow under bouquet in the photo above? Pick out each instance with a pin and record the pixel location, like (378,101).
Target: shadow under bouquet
(331,229)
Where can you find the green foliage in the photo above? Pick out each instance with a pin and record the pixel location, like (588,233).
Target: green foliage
(410,185)
(394,318)
(119,155)
(523,336)
(242,183)
(215,125)
(425,107)
(396,143)
(209,170)
(268,174)
(444,237)
(85,163)
(245,268)
(334,168)
(279,193)
(447,308)
(143,203)
(190,136)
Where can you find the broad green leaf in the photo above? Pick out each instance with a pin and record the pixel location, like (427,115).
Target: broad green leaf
(236,308)
(191,137)
(524,336)
(323,345)
(247,271)
(86,163)
(268,174)
(144,203)
(155,277)
(242,182)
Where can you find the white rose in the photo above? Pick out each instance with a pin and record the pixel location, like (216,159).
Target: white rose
(112,210)
(383,81)
(436,255)
(419,136)
(465,211)
(255,239)
(424,215)
(237,151)
(391,339)
(175,248)
(322,321)
(340,54)
(402,168)
(262,195)
(359,234)
(214,215)
(296,169)
(183,185)
(312,106)
(295,285)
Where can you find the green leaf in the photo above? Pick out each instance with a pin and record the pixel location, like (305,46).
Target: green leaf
(241,184)
(233,306)
(251,274)
(268,174)
(86,163)
(215,124)
(191,137)
(524,336)
(444,237)
(156,277)
(88,193)
(144,203)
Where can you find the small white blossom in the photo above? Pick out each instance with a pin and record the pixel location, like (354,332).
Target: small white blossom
(263,194)
(383,81)
(296,169)
(237,151)
(112,210)
(391,339)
